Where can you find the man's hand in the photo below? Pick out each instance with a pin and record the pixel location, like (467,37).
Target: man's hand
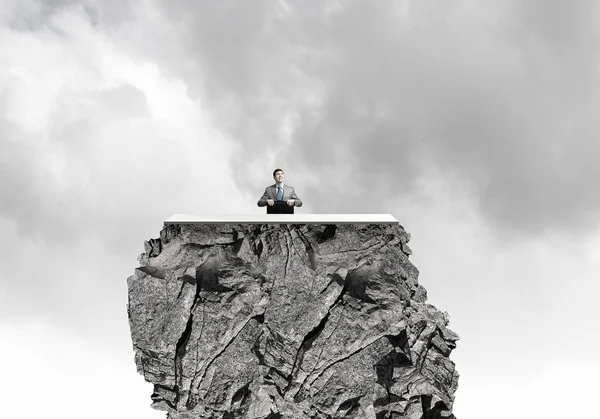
(290,202)
(270,202)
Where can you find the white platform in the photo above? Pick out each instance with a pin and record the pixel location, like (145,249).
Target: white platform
(282,219)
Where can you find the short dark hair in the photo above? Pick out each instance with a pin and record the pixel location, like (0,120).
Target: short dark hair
(277,170)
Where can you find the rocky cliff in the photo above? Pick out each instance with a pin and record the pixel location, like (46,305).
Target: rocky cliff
(288,321)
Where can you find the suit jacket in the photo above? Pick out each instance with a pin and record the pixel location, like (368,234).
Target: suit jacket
(271,193)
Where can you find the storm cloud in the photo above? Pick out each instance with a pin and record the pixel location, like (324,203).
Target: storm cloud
(504,94)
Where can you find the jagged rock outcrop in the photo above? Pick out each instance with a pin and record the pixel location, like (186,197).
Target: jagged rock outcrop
(289,321)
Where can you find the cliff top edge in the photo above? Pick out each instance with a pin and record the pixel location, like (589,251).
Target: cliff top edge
(282,219)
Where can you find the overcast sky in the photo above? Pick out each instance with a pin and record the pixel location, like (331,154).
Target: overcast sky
(474,122)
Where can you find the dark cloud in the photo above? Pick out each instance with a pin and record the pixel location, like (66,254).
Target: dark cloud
(503,94)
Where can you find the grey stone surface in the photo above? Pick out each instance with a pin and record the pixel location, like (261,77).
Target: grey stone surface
(289,321)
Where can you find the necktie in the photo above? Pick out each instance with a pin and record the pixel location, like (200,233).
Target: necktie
(279,193)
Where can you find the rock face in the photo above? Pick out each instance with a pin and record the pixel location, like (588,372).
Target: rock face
(289,321)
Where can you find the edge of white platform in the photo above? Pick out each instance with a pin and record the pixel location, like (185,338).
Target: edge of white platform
(282,219)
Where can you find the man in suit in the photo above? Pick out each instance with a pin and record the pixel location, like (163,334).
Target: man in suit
(279,192)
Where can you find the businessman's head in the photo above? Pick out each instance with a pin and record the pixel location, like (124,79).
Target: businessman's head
(278,176)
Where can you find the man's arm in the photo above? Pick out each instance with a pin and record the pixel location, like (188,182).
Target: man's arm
(297,201)
(262,202)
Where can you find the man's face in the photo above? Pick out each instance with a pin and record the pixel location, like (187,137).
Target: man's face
(279,177)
